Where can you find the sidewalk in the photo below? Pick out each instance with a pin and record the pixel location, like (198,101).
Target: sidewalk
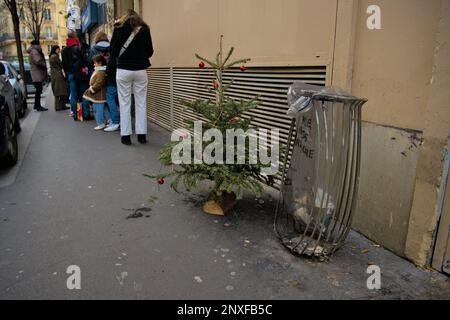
(69,205)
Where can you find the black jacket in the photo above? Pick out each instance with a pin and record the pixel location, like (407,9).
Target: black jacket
(75,62)
(138,53)
(69,56)
(111,71)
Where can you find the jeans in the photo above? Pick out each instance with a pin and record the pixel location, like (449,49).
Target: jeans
(77,89)
(111,96)
(136,81)
(37,97)
(101,117)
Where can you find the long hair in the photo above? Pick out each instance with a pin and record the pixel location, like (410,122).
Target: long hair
(53,50)
(132,18)
(101,36)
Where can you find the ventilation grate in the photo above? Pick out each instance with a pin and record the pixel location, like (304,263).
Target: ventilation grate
(168,86)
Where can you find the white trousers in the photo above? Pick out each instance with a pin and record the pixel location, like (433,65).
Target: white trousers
(136,82)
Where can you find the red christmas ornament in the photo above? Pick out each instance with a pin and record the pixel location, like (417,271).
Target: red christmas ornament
(215,85)
(243,68)
(201,65)
(161,181)
(233,120)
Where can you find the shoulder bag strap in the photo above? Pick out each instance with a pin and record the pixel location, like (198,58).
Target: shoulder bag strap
(129,40)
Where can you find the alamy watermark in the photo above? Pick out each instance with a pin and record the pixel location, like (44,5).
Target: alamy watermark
(374,20)
(74,280)
(237,147)
(374,280)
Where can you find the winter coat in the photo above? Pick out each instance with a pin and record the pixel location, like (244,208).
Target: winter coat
(69,55)
(97,86)
(138,53)
(75,62)
(59,84)
(37,63)
(103,47)
(81,70)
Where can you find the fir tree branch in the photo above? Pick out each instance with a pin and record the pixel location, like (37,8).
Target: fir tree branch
(212,64)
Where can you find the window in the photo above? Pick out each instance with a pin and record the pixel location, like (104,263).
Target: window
(47,15)
(24,32)
(49,32)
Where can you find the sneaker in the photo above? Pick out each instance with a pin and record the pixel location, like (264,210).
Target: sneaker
(126,140)
(40,109)
(100,127)
(112,128)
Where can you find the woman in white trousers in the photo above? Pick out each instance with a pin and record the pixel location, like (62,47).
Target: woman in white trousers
(135,82)
(131,46)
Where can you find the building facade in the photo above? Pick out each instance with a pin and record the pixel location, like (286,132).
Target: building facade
(100,15)
(401,67)
(53,32)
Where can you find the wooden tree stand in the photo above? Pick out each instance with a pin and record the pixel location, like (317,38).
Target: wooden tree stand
(220,205)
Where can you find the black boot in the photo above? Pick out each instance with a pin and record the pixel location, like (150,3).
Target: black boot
(40,109)
(126,140)
(142,138)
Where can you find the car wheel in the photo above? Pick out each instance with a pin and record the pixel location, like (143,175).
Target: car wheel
(12,155)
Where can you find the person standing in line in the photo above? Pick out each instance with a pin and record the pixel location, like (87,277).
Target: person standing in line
(131,46)
(77,75)
(59,83)
(38,72)
(97,91)
(102,46)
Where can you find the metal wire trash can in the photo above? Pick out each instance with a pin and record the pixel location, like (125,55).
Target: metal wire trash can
(320,175)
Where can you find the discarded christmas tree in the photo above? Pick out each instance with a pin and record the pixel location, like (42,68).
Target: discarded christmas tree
(222,113)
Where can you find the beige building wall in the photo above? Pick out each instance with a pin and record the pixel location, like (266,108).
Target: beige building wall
(393,68)
(293,37)
(426,207)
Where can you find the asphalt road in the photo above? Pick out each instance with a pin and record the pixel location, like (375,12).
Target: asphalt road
(67,204)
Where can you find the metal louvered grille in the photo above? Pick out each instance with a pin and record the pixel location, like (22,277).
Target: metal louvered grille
(168,86)
(159,96)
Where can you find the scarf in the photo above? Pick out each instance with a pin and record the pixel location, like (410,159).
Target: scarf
(101,68)
(72,42)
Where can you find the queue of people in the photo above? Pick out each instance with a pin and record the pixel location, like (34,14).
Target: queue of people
(104,76)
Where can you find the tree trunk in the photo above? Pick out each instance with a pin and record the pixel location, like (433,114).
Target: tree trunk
(220,205)
(16,24)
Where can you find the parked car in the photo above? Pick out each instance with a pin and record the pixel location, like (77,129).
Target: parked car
(28,81)
(16,81)
(9,125)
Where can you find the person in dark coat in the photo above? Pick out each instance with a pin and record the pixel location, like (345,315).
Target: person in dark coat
(75,64)
(132,63)
(38,72)
(59,83)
